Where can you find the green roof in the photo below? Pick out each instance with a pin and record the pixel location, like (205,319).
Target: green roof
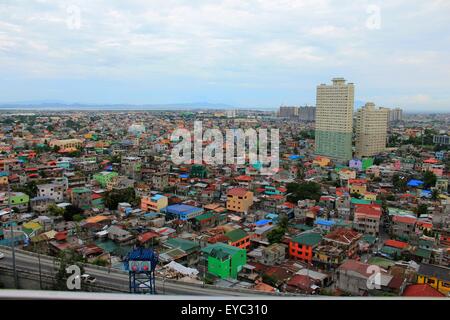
(220,254)
(308,238)
(236,234)
(360,201)
(302,227)
(381,262)
(369,238)
(391,250)
(423,253)
(222,246)
(80,190)
(204,216)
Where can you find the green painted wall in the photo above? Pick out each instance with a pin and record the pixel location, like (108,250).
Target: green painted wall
(337,145)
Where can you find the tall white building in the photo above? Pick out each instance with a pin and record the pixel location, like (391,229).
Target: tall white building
(371,130)
(395,114)
(334,119)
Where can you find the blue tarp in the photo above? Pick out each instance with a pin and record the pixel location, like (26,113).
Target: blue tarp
(294,157)
(262,222)
(324,222)
(426,193)
(184,176)
(414,183)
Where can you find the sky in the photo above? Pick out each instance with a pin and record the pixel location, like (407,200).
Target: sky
(245,53)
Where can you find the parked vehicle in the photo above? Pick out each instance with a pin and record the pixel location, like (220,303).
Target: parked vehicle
(88,278)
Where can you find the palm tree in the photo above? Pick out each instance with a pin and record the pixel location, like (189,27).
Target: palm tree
(435,194)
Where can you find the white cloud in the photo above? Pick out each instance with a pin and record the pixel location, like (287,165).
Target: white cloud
(255,42)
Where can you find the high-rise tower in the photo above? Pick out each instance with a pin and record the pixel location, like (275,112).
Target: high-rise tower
(334,119)
(371,130)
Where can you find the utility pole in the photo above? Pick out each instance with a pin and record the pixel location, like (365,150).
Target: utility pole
(13,244)
(39,262)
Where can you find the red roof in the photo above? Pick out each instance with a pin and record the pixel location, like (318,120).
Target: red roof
(425,224)
(276,197)
(356,266)
(240,192)
(302,282)
(147,236)
(343,235)
(430,160)
(290,205)
(369,210)
(421,290)
(244,178)
(403,219)
(96,196)
(60,236)
(395,244)
(357,181)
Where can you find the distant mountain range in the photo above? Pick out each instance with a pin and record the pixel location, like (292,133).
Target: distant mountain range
(51,105)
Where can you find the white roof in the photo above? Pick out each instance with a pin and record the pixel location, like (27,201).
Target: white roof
(182,269)
(312,274)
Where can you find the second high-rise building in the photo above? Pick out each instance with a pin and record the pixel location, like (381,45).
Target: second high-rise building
(334,119)
(371,130)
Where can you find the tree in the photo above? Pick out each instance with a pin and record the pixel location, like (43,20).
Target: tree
(114,197)
(67,258)
(377,161)
(77,217)
(283,221)
(302,191)
(29,188)
(429,179)
(277,234)
(100,262)
(399,182)
(71,211)
(422,209)
(54,210)
(435,194)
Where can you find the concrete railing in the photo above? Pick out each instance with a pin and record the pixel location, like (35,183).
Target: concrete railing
(162,279)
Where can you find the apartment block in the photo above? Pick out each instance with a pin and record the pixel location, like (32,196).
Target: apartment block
(239,200)
(371,130)
(334,119)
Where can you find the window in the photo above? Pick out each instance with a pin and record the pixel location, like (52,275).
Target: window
(431,281)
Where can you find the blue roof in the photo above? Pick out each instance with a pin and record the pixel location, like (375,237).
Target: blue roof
(294,157)
(414,183)
(156,197)
(184,175)
(182,209)
(262,222)
(3,174)
(426,193)
(324,222)
(151,215)
(141,254)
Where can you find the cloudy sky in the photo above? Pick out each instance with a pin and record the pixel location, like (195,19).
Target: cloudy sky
(246,53)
